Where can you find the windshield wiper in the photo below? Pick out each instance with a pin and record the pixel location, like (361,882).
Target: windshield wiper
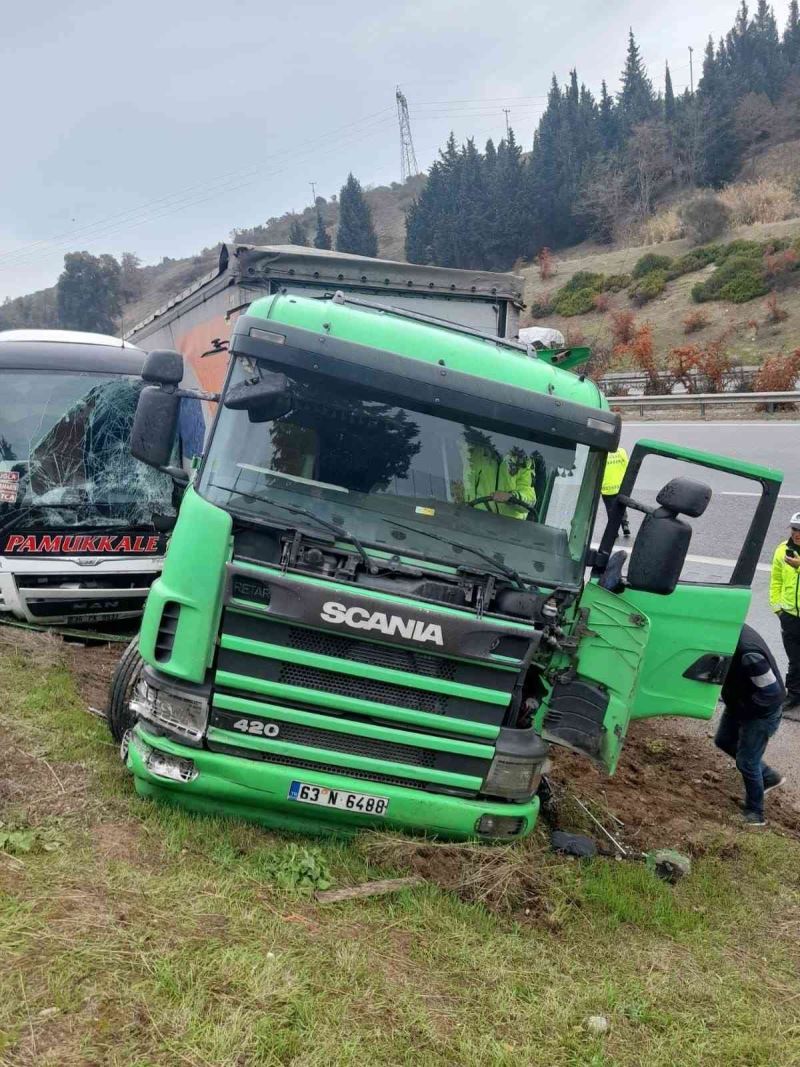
(508,571)
(295,509)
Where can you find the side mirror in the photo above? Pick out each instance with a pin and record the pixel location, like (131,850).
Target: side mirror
(662,542)
(267,398)
(162,366)
(154,426)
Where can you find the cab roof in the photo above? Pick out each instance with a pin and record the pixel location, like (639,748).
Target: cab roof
(68,350)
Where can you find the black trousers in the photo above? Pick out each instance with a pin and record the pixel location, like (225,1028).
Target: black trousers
(608,501)
(790,632)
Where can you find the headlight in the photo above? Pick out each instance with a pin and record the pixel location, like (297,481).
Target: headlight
(162,764)
(180,713)
(520,760)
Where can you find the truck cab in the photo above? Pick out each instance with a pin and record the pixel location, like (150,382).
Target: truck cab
(77,540)
(375,607)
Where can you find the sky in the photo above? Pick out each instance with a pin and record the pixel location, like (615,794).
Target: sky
(156,127)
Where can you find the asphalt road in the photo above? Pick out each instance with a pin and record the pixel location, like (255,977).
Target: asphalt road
(718,535)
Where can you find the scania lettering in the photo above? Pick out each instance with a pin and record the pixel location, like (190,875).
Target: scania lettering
(359,619)
(78,544)
(386,556)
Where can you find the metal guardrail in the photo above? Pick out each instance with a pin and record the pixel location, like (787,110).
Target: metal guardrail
(671,400)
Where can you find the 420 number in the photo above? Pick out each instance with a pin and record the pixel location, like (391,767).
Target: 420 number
(257,727)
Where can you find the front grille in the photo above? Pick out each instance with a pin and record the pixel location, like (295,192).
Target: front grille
(363,688)
(30,583)
(400,659)
(329,768)
(47,609)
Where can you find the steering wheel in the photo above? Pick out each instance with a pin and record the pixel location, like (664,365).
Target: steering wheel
(514,500)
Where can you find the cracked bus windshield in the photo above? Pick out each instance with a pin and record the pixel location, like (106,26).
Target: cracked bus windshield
(64,452)
(388,474)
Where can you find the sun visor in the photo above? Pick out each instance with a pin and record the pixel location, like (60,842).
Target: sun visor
(424,386)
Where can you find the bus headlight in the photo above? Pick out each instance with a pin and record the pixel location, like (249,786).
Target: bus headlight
(178,712)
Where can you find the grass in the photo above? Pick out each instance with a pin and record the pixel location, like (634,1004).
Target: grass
(152,937)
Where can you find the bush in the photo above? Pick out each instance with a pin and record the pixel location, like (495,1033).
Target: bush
(569,302)
(623,325)
(547,266)
(615,283)
(697,259)
(764,200)
(705,218)
(695,321)
(739,278)
(777,374)
(775,314)
(601,302)
(781,264)
(543,307)
(739,248)
(650,286)
(583,279)
(649,263)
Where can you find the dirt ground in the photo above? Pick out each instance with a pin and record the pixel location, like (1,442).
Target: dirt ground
(671,784)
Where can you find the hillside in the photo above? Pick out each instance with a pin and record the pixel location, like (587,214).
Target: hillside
(161,281)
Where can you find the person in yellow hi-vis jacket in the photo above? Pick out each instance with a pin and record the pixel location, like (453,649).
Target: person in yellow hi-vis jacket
(504,483)
(616,465)
(784,599)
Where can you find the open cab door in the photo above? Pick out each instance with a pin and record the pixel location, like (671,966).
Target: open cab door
(658,644)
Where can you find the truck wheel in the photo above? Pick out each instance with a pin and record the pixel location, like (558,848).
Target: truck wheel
(123,683)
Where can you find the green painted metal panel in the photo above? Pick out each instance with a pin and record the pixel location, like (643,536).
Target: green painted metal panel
(343,759)
(486,359)
(356,669)
(193,576)
(349,726)
(691,622)
(715,462)
(356,704)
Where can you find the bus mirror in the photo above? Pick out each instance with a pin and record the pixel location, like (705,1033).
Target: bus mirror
(659,553)
(162,366)
(154,426)
(269,397)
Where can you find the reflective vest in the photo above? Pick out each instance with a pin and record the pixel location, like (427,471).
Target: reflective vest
(784,582)
(486,473)
(616,465)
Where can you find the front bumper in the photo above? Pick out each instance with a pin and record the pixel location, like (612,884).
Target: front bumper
(258,792)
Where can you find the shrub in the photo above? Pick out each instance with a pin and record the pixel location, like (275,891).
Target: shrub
(777,374)
(705,217)
(601,302)
(697,259)
(583,279)
(695,321)
(739,278)
(569,302)
(650,286)
(714,365)
(763,200)
(649,263)
(615,283)
(541,308)
(774,313)
(666,225)
(641,351)
(739,248)
(680,364)
(623,324)
(574,337)
(780,264)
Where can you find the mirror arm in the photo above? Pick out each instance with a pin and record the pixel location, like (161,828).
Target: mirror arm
(177,474)
(634,505)
(198,394)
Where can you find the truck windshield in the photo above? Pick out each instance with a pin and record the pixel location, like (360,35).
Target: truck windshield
(64,452)
(408,482)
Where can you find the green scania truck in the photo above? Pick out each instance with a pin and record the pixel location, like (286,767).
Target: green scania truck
(380,605)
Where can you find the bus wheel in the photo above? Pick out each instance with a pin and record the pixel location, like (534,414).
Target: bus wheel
(123,683)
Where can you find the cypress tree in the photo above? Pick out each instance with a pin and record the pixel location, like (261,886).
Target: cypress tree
(356,232)
(636,101)
(607,121)
(669,98)
(297,233)
(322,239)
(791,36)
(719,148)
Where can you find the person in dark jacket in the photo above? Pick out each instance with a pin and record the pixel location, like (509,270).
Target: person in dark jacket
(753,694)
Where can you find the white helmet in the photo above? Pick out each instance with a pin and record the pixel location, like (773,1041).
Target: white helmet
(794,522)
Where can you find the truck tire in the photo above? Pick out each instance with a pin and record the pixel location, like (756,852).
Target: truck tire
(123,683)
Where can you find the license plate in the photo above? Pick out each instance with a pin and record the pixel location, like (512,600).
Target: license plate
(363,803)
